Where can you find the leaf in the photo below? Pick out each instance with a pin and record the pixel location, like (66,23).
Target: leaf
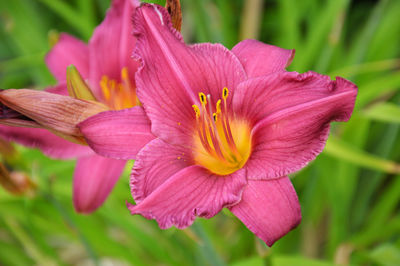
(70,15)
(366,238)
(318,34)
(386,254)
(359,49)
(370,90)
(344,151)
(289,23)
(385,207)
(383,112)
(367,67)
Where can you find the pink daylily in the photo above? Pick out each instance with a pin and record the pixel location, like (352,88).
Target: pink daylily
(106,64)
(230,127)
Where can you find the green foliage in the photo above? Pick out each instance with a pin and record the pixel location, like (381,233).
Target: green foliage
(350,195)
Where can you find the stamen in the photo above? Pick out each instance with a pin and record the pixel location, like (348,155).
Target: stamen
(227,129)
(213,130)
(212,121)
(218,107)
(104,87)
(215,142)
(112,84)
(196,110)
(202,98)
(124,74)
(215,117)
(119,95)
(130,92)
(218,150)
(225,93)
(203,135)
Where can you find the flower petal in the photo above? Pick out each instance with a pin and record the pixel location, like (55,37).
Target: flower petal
(60,88)
(94,178)
(269,208)
(260,59)
(67,51)
(172,73)
(292,113)
(155,163)
(56,112)
(191,192)
(128,42)
(117,134)
(259,97)
(50,144)
(112,44)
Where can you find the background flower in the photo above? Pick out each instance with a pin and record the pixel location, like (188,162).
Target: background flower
(106,65)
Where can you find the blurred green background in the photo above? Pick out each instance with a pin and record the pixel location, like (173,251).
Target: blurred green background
(350,195)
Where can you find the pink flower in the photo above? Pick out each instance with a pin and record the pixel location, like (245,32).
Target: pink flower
(230,127)
(106,64)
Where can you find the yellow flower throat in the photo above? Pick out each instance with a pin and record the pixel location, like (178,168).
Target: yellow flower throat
(222,142)
(119,95)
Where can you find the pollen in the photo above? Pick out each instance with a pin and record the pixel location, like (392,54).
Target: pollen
(222,142)
(202,98)
(218,107)
(119,94)
(196,110)
(225,93)
(215,117)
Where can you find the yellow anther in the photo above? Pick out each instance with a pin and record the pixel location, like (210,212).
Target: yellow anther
(104,87)
(196,110)
(106,93)
(202,98)
(124,73)
(218,107)
(119,93)
(215,117)
(225,93)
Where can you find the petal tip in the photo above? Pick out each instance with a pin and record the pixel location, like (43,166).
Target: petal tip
(291,57)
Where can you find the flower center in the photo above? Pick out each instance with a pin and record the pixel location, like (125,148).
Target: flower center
(222,141)
(119,95)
